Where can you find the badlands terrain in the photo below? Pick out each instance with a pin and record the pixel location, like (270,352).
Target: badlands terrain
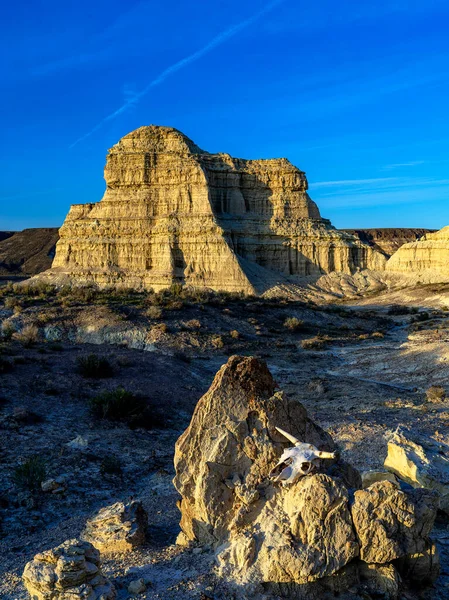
(146,365)
(361,369)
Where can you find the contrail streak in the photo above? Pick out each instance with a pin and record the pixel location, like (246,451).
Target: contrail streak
(216,41)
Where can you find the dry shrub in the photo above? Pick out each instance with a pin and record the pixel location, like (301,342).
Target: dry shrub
(293,323)
(378,335)
(162,327)
(435,393)
(153,312)
(193,324)
(217,342)
(27,336)
(319,342)
(234,334)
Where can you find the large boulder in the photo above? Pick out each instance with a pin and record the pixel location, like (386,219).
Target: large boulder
(311,538)
(70,571)
(302,533)
(120,527)
(421,462)
(390,523)
(223,458)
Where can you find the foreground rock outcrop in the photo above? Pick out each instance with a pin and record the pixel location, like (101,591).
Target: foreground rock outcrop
(120,527)
(426,259)
(69,572)
(422,463)
(173,213)
(320,535)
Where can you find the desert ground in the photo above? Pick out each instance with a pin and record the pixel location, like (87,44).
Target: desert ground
(360,367)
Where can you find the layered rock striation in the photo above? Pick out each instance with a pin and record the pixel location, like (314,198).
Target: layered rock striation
(173,213)
(428,257)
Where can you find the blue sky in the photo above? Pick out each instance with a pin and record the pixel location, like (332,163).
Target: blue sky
(354,93)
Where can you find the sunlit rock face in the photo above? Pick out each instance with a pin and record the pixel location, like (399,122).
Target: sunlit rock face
(427,257)
(173,213)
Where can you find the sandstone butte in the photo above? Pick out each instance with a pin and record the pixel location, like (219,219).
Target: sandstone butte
(173,213)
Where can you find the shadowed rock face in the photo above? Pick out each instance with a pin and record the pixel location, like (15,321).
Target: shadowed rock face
(388,240)
(173,213)
(27,252)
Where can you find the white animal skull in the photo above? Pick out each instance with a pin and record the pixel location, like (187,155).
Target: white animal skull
(297,461)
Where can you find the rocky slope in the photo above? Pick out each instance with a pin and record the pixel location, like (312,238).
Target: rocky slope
(388,240)
(426,259)
(27,252)
(173,213)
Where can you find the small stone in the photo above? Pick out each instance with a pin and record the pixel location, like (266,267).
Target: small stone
(137,586)
(120,527)
(49,485)
(79,443)
(370,477)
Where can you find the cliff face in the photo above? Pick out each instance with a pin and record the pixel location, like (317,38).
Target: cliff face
(388,240)
(428,257)
(27,252)
(174,213)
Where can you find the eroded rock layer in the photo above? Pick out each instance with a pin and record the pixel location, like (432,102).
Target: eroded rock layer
(173,213)
(428,257)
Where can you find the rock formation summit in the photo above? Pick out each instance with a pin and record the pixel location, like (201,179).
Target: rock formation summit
(173,213)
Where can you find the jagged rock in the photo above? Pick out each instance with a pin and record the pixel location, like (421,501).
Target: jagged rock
(391,523)
(301,540)
(120,527)
(224,457)
(428,257)
(173,213)
(421,463)
(69,571)
(305,533)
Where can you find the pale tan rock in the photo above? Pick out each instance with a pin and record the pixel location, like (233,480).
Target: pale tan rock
(120,527)
(173,213)
(391,523)
(69,571)
(427,257)
(231,445)
(421,463)
(300,540)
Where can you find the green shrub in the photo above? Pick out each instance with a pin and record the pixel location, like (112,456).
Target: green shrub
(95,367)
(397,309)
(30,474)
(126,407)
(293,323)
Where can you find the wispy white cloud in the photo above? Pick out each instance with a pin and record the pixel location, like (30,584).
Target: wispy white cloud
(184,62)
(412,163)
(352,182)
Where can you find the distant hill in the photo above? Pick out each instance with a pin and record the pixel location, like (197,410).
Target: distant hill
(388,240)
(27,252)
